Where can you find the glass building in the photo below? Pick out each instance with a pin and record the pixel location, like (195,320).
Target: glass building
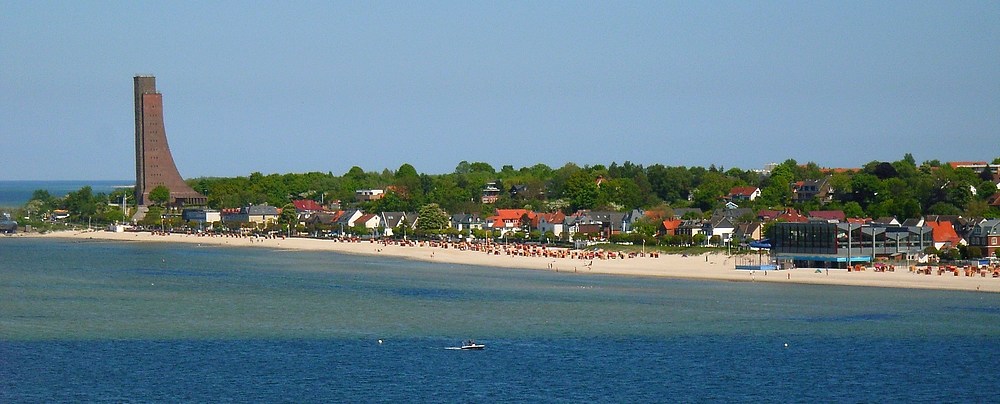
(837,245)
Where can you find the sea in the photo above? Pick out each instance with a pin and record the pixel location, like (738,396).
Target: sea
(14,194)
(102,321)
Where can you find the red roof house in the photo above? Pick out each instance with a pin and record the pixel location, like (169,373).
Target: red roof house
(307,205)
(944,235)
(510,218)
(833,216)
(670,226)
(743,193)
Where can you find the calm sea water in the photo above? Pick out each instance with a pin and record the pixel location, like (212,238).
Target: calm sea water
(105,321)
(17,193)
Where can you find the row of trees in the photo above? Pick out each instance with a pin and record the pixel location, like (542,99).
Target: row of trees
(901,188)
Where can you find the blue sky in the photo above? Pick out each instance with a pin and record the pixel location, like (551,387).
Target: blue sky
(298,86)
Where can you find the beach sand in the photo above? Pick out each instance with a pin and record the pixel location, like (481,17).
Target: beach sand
(704,267)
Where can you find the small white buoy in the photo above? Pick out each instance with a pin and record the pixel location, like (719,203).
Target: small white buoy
(379,341)
(786,345)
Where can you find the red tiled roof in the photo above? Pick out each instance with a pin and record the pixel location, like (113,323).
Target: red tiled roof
(671,225)
(792,216)
(510,215)
(557,217)
(307,204)
(742,191)
(364,218)
(828,215)
(944,232)
(766,214)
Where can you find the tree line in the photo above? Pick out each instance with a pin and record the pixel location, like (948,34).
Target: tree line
(900,188)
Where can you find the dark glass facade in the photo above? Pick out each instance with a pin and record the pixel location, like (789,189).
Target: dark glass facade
(804,238)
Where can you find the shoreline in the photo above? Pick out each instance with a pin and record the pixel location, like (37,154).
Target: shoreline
(709,267)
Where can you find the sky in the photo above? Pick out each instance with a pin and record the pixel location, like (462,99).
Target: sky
(299,86)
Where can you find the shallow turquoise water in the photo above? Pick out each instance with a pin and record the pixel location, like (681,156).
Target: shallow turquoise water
(109,321)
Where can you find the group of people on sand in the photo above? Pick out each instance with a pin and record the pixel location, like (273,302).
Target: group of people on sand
(517,249)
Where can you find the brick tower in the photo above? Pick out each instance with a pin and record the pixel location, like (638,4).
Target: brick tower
(154,166)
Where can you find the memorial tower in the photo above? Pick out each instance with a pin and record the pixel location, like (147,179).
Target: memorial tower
(154,165)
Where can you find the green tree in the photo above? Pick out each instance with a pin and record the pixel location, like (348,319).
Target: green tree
(431,217)
(581,190)
(778,191)
(160,195)
(289,216)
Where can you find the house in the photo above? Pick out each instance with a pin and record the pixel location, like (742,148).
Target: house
(978,166)
(631,217)
(509,219)
(669,227)
(365,195)
(608,222)
(490,193)
(518,191)
(201,216)
(743,194)
(576,224)
(551,222)
(791,216)
(691,227)
(348,218)
(325,219)
(467,221)
(390,221)
(258,214)
(745,232)
(830,216)
(767,215)
(307,207)
(944,235)
(805,191)
(719,226)
(369,221)
(986,235)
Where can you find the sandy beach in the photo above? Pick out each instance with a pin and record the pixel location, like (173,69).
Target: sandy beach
(705,267)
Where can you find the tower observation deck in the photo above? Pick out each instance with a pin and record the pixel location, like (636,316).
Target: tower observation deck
(154,165)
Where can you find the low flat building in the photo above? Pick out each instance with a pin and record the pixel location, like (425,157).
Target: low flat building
(837,245)
(201,216)
(260,214)
(369,194)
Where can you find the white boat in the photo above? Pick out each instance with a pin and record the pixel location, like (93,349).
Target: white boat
(472,345)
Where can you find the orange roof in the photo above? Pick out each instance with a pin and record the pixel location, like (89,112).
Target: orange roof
(307,204)
(793,216)
(672,224)
(510,215)
(557,217)
(742,191)
(957,164)
(944,232)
